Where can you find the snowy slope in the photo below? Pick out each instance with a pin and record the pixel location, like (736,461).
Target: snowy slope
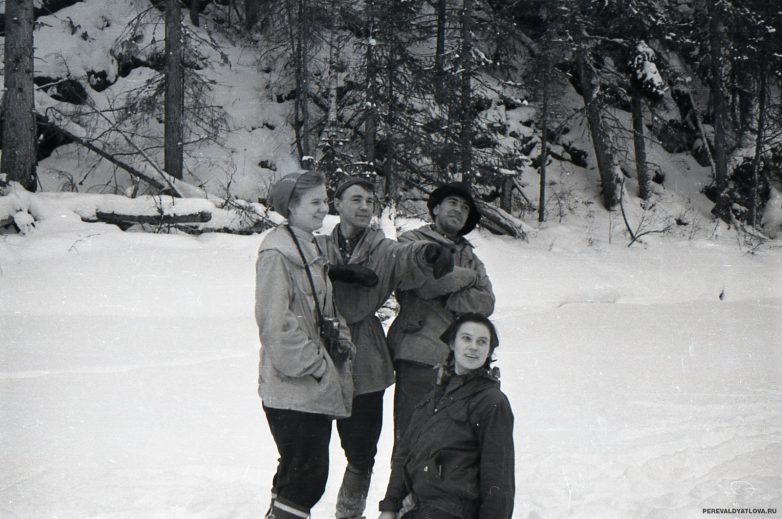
(129,364)
(645,380)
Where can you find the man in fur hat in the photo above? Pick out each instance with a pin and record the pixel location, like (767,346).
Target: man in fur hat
(426,312)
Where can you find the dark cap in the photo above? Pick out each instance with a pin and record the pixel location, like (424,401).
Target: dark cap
(460,190)
(354,180)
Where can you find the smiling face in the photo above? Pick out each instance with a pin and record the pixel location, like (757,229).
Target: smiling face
(309,210)
(471,347)
(355,207)
(450,215)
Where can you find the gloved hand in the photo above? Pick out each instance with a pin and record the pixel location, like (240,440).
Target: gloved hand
(343,350)
(440,258)
(358,274)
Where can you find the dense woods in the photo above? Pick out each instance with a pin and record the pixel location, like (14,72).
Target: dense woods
(418,92)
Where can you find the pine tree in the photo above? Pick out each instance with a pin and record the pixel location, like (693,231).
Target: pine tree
(175,91)
(19,125)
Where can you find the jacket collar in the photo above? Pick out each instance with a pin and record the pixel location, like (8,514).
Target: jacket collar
(433,234)
(459,387)
(369,240)
(280,240)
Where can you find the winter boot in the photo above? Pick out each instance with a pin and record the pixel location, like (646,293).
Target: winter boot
(284,509)
(271,506)
(352,497)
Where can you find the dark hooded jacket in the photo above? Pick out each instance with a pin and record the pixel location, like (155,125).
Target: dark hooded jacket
(457,455)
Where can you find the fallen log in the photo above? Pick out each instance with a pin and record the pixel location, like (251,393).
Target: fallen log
(123,221)
(500,222)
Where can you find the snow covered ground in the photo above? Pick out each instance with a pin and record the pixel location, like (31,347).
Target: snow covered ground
(646,381)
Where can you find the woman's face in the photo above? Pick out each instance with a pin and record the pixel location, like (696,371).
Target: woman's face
(471,346)
(310,210)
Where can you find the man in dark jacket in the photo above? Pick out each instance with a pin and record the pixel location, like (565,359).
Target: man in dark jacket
(365,268)
(425,312)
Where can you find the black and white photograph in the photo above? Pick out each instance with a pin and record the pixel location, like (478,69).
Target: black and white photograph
(393,259)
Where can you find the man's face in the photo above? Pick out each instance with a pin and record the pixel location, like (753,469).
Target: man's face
(451,214)
(355,207)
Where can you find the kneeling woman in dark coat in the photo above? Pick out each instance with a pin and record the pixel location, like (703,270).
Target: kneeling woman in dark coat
(456,459)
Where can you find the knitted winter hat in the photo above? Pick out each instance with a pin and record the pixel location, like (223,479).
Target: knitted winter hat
(460,190)
(281,192)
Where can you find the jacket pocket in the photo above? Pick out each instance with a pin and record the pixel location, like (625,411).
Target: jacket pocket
(458,413)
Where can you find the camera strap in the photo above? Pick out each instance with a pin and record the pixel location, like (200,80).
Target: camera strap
(309,274)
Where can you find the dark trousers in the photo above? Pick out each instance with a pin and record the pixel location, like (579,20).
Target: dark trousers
(425,512)
(303,467)
(360,432)
(413,382)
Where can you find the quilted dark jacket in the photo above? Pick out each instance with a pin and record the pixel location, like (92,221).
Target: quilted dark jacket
(457,454)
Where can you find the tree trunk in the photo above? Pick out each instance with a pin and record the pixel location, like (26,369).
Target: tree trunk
(194,12)
(746,100)
(252,12)
(440,94)
(370,123)
(297,34)
(716,37)
(19,128)
(506,194)
(390,159)
(302,82)
(333,79)
(644,182)
(466,116)
(603,154)
(762,93)
(543,158)
(175,90)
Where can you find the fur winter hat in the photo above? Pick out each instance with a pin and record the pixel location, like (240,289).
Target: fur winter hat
(460,190)
(281,192)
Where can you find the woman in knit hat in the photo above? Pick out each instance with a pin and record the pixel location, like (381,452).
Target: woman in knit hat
(456,459)
(305,377)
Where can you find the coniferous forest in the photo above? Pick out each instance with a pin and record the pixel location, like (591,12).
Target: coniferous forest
(217,98)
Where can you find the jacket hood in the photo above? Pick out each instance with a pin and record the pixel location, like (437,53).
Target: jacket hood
(280,240)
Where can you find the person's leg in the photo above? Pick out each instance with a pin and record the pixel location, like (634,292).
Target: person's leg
(413,382)
(302,441)
(359,435)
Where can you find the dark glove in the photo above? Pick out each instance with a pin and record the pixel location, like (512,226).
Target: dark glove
(353,274)
(343,350)
(440,258)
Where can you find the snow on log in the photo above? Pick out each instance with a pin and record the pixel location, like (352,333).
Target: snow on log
(120,219)
(501,222)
